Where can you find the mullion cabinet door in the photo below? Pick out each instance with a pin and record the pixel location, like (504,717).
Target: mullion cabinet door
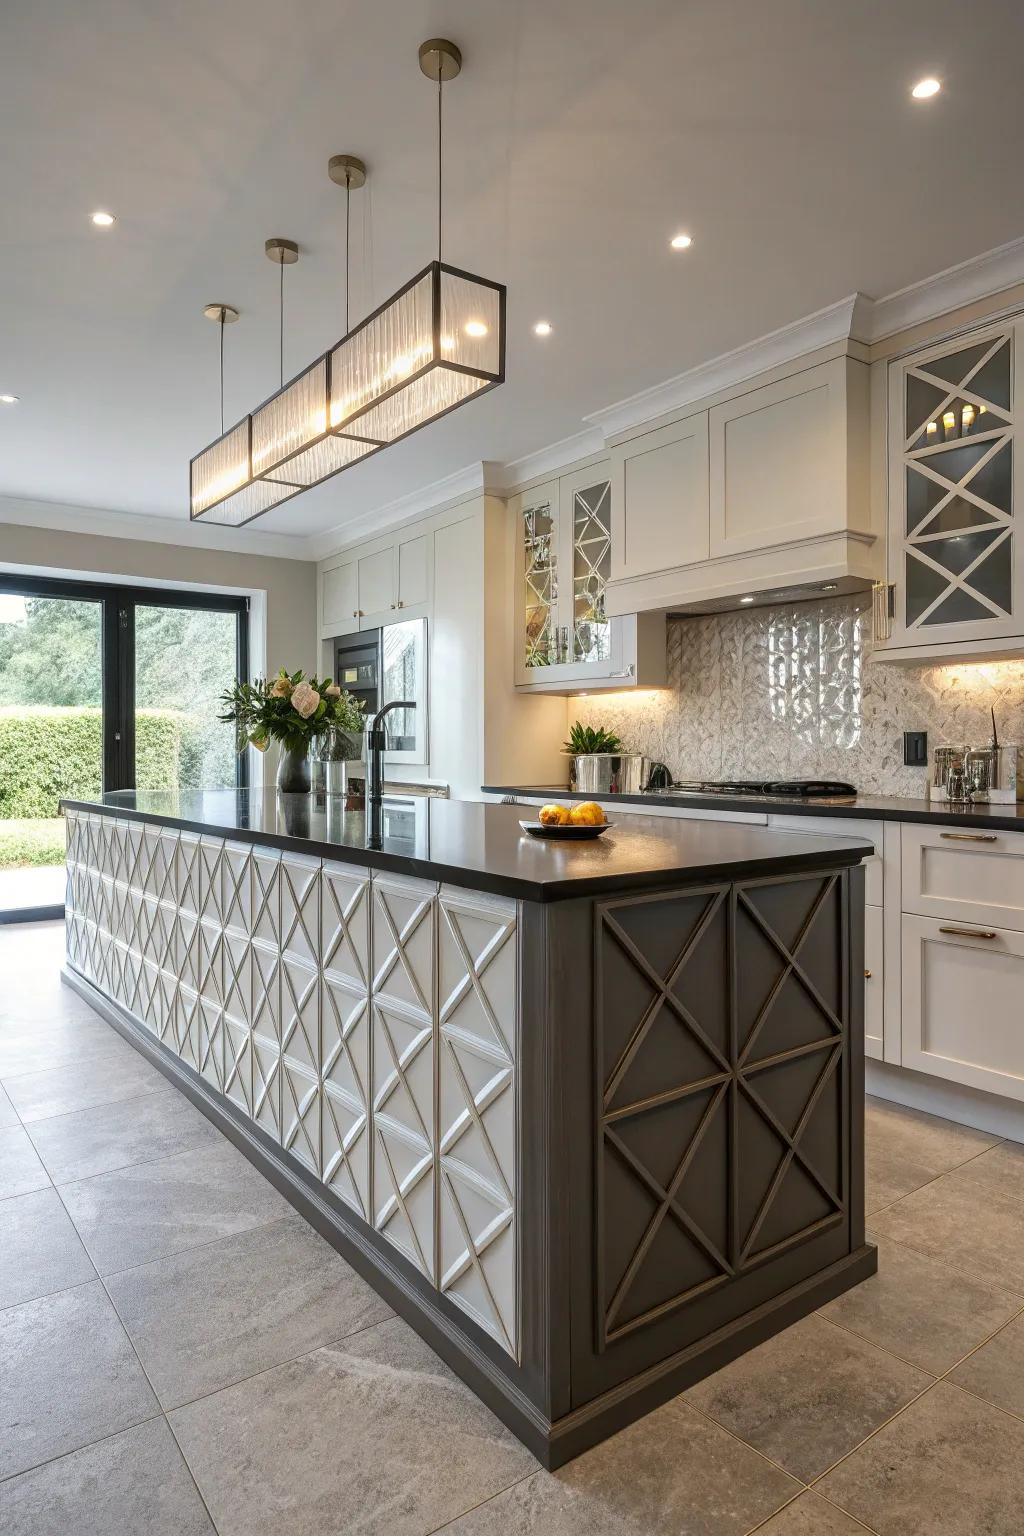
(954,490)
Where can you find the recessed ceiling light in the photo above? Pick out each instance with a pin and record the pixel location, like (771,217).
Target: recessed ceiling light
(542,328)
(475,328)
(8,399)
(746,599)
(681,242)
(925,88)
(102,220)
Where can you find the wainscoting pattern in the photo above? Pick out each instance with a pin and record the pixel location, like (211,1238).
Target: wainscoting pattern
(719,1105)
(791,692)
(367,1023)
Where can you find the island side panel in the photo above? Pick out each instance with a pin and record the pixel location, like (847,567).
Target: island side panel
(712,1131)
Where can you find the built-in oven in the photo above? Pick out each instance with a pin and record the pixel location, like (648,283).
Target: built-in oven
(380,665)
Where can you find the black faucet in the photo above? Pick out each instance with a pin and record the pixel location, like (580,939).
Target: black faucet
(377,742)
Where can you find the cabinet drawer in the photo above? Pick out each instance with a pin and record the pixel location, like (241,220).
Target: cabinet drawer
(843,826)
(973,876)
(873,978)
(962,1017)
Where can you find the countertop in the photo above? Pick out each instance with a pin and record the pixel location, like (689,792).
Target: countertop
(481,846)
(1006,818)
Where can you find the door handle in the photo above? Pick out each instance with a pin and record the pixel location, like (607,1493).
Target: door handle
(970,837)
(971,933)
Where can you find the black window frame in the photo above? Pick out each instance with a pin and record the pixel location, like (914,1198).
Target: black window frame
(118,602)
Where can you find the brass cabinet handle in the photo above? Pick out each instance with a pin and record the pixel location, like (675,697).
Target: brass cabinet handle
(971,933)
(970,837)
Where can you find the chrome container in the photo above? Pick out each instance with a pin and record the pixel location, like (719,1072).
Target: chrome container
(611,773)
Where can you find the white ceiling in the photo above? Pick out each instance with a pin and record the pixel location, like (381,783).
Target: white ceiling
(580,136)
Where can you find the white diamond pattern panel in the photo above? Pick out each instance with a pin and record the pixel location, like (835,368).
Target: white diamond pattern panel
(367,1024)
(477,1105)
(345,1035)
(403,938)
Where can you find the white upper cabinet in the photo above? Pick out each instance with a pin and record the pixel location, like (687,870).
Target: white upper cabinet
(565,639)
(956,566)
(779,466)
(388,578)
(765,489)
(660,499)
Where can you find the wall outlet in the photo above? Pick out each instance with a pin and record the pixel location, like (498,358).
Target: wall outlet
(915,749)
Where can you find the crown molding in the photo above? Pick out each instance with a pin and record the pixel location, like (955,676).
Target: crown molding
(980,277)
(838,322)
(472,480)
(65,517)
(546,461)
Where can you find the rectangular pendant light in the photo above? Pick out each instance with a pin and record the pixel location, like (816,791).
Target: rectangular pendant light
(436,343)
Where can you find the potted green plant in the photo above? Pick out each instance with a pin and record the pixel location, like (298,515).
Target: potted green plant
(600,765)
(291,709)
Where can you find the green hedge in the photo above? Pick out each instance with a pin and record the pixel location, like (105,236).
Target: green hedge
(47,753)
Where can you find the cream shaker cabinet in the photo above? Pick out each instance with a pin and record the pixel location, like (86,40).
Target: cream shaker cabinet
(565,638)
(660,499)
(956,566)
(368,590)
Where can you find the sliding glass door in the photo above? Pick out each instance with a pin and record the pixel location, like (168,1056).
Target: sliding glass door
(104,688)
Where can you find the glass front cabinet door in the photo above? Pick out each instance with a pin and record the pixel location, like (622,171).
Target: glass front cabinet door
(564,546)
(956,562)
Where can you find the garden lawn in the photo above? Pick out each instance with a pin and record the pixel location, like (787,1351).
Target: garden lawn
(25,842)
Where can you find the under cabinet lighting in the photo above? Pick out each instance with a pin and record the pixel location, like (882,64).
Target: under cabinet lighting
(925,88)
(746,599)
(681,242)
(102,220)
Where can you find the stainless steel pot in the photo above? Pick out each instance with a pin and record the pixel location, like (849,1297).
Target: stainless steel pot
(611,773)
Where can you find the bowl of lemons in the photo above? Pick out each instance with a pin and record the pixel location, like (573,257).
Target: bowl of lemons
(572,823)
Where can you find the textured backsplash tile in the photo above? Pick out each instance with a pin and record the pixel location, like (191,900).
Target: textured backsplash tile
(790,692)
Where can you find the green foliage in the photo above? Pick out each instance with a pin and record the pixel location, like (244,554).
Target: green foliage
(53,655)
(46,754)
(587,738)
(25,843)
(268,710)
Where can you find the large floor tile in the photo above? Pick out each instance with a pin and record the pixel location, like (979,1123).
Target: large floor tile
(950,1466)
(672,1472)
(906,1148)
(37,1047)
(372,1436)
(8,1113)
(106,1078)
(974,1229)
(68,1376)
(808,1396)
(109,1136)
(922,1309)
(1001,1169)
(20,1168)
(810,1515)
(204,1319)
(40,1251)
(135,1483)
(150,1210)
(996,1371)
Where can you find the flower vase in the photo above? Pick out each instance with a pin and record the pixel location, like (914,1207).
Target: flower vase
(293,771)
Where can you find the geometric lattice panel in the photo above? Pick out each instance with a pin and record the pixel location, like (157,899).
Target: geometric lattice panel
(345,1035)
(403,1066)
(958,473)
(477,1106)
(720,1105)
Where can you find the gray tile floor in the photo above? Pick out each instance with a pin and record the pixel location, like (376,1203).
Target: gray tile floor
(181,1355)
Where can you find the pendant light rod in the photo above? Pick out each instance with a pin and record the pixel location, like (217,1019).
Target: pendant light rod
(222,314)
(440,60)
(285,253)
(347,171)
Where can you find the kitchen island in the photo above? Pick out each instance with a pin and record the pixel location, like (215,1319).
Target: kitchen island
(588,1115)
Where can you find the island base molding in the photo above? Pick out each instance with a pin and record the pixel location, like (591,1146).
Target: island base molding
(553,1442)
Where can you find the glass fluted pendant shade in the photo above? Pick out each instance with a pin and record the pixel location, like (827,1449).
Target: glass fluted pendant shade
(437,342)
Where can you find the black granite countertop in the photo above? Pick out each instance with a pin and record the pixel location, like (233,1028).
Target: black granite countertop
(1006,818)
(481,846)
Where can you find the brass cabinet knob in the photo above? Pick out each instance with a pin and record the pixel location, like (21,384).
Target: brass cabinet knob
(867,975)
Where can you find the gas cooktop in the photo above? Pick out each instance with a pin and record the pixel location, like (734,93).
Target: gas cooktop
(795,789)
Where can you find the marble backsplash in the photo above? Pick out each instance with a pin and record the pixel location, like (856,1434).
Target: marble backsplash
(791,692)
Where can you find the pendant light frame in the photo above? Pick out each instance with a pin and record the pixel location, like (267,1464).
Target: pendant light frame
(343,395)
